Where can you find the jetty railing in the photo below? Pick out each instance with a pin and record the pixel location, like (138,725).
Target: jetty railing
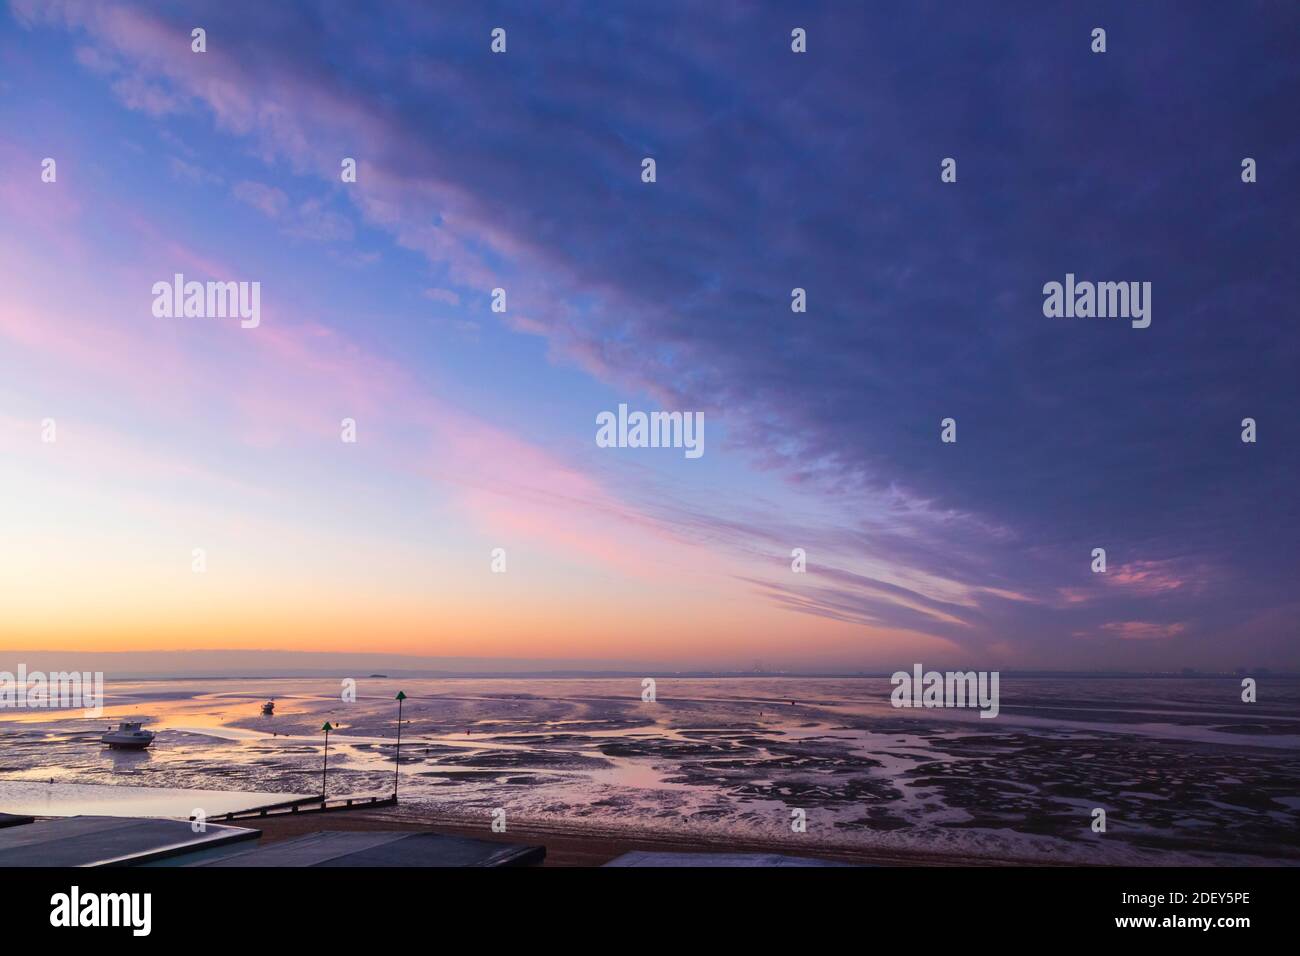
(306,805)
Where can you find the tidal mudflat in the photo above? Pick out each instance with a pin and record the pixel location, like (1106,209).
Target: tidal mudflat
(1184,770)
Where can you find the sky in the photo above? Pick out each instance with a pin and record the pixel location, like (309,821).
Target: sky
(476,429)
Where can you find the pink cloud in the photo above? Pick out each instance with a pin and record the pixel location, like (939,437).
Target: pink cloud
(1142,630)
(290,382)
(1148,577)
(268,200)
(442,295)
(46,208)
(1144,578)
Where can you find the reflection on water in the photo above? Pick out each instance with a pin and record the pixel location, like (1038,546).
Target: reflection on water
(1182,767)
(52,799)
(22,794)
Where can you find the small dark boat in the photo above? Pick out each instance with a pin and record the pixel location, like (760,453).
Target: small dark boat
(268,708)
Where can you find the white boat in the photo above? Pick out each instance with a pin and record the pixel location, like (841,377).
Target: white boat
(268,708)
(128,736)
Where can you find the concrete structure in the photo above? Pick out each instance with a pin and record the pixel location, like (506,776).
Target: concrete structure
(370,848)
(109,841)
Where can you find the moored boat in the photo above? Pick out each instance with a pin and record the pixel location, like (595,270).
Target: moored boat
(128,736)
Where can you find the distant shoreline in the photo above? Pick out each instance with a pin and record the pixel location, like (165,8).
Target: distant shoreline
(685,675)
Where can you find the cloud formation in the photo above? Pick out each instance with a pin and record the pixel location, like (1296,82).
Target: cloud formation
(924,299)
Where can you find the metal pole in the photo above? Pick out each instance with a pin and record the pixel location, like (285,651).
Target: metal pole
(325,768)
(397,764)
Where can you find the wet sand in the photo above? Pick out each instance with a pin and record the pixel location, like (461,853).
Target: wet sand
(1187,773)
